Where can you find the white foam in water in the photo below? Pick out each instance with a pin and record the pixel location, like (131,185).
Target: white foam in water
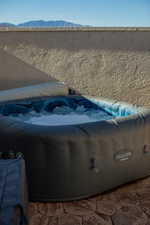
(56,120)
(64,116)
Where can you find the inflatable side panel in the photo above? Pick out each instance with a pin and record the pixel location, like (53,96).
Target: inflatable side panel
(77,161)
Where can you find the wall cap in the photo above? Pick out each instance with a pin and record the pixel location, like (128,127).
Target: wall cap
(80,29)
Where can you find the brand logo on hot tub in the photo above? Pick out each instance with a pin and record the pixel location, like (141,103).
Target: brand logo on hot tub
(146,149)
(122,156)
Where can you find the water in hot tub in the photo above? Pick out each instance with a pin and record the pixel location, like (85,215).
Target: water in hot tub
(64,115)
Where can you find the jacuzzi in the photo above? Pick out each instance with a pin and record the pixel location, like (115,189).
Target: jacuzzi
(104,144)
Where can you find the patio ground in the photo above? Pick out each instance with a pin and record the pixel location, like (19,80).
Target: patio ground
(126,205)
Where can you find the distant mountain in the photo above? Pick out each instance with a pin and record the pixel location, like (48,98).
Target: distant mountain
(42,23)
(7,25)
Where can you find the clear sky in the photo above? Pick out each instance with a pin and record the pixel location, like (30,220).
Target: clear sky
(86,12)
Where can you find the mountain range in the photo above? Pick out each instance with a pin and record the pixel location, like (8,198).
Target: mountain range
(42,23)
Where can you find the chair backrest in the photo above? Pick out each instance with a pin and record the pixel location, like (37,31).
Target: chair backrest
(13,191)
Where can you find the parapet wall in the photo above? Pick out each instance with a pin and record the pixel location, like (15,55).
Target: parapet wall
(108,62)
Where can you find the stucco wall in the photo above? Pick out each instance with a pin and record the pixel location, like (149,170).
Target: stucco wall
(15,73)
(108,62)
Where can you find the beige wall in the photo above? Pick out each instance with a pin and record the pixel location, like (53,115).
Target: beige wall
(15,73)
(108,62)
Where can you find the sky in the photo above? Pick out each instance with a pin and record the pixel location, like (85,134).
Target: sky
(86,12)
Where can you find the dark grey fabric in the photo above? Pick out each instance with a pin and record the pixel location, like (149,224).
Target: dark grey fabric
(12,190)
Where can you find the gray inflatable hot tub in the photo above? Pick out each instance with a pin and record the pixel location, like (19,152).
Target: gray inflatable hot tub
(78,159)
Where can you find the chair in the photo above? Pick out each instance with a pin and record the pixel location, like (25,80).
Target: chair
(13,191)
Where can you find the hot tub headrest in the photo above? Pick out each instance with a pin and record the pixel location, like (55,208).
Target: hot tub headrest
(34,91)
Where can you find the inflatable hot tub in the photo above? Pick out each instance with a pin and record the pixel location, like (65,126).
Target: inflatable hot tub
(74,146)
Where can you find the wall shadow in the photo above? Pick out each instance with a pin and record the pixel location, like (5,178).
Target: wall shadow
(15,73)
(77,40)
